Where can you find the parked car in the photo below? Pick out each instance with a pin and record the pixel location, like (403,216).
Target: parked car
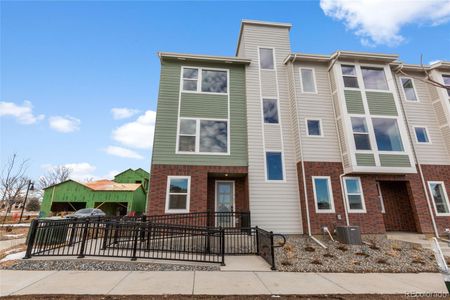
(86,213)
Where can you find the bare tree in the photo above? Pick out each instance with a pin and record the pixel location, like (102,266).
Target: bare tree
(13,180)
(54,175)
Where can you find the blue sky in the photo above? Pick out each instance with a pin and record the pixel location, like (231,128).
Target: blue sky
(76,61)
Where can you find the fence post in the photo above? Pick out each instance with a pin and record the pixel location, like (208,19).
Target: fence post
(272,250)
(143,220)
(31,238)
(105,236)
(83,241)
(257,240)
(73,232)
(136,235)
(222,237)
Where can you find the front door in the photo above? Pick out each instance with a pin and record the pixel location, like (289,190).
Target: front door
(225,203)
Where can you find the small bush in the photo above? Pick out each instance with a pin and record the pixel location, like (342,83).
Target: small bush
(316,262)
(418,261)
(362,254)
(329,255)
(382,261)
(310,249)
(342,248)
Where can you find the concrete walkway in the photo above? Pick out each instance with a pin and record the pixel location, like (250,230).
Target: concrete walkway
(11,243)
(419,239)
(214,283)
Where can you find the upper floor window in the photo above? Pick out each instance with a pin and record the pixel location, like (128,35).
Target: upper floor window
(274,166)
(177,194)
(203,136)
(374,78)
(446,79)
(360,133)
(408,89)
(266,60)
(440,198)
(422,135)
(387,134)
(205,80)
(308,80)
(270,107)
(314,127)
(354,195)
(323,194)
(349,76)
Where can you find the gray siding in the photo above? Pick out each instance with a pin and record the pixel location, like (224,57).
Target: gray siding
(354,102)
(393,160)
(365,159)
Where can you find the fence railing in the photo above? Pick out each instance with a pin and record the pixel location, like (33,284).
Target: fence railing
(150,237)
(205,219)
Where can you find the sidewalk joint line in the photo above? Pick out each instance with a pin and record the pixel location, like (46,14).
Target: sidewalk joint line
(193,283)
(333,282)
(126,275)
(45,277)
(265,286)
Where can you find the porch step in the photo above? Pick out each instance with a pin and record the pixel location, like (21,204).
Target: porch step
(245,263)
(419,239)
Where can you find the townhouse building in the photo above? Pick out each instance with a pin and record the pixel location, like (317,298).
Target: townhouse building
(303,141)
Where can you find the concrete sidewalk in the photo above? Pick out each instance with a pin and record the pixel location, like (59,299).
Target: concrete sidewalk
(214,283)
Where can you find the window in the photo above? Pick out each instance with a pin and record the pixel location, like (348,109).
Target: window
(323,194)
(274,166)
(387,134)
(203,136)
(212,81)
(446,79)
(422,135)
(270,107)
(374,78)
(360,133)
(349,76)
(440,198)
(177,196)
(308,80)
(354,195)
(266,58)
(408,89)
(314,127)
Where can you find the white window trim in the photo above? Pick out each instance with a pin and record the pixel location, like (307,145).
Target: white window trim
(199,80)
(267,167)
(233,193)
(320,125)
(361,133)
(278,111)
(363,210)
(427,133)
(445,198)
(323,211)
(314,80)
(273,58)
(414,88)
(188,197)
(197,137)
(380,197)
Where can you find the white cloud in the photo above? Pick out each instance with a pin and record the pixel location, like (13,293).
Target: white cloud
(137,134)
(23,113)
(79,171)
(123,152)
(110,175)
(380,21)
(123,112)
(64,124)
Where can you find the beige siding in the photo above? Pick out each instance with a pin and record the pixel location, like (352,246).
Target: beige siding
(272,137)
(421,113)
(274,205)
(317,106)
(293,111)
(268,84)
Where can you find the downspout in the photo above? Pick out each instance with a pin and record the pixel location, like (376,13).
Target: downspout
(422,178)
(341,181)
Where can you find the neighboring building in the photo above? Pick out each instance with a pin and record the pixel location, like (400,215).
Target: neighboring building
(126,194)
(303,141)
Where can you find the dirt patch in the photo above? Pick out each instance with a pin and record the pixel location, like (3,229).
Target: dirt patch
(378,255)
(11,233)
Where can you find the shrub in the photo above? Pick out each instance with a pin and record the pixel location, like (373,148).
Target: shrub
(33,205)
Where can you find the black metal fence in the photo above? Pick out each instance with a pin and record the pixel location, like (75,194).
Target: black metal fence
(205,219)
(144,237)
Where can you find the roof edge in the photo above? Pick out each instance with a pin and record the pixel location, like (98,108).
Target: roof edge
(200,57)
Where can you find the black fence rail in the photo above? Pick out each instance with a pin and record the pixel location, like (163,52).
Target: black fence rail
(150,237)
(205,219)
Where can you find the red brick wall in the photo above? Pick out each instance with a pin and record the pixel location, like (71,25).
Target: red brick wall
(202,186)
(372,221)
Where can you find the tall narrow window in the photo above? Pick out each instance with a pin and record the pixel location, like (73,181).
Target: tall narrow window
(374,78)
(186,140)
(360,133)
(349,76)
(408,89)
(274,165)
(270,108)
(387,134)
(323,194)
(177,196)
(446,79)
(440,198)
(354,195)
(190,79)
(313,127)
(308,80)
(421,135)
(266,58)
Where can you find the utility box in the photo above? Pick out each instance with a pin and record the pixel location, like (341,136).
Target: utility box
(350,235)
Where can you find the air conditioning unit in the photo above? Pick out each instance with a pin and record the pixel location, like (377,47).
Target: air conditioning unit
(349,235)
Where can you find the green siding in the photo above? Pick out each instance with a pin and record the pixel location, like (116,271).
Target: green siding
(354,102)
(167,113)
(365,159)
(381,103)
(131,176)
(204,105)
(393,160)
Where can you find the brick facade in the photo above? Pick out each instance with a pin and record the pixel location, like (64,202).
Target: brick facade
(416,216)
(203,178)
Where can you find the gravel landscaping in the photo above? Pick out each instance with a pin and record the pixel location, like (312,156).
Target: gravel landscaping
(101,265)
(302,254)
